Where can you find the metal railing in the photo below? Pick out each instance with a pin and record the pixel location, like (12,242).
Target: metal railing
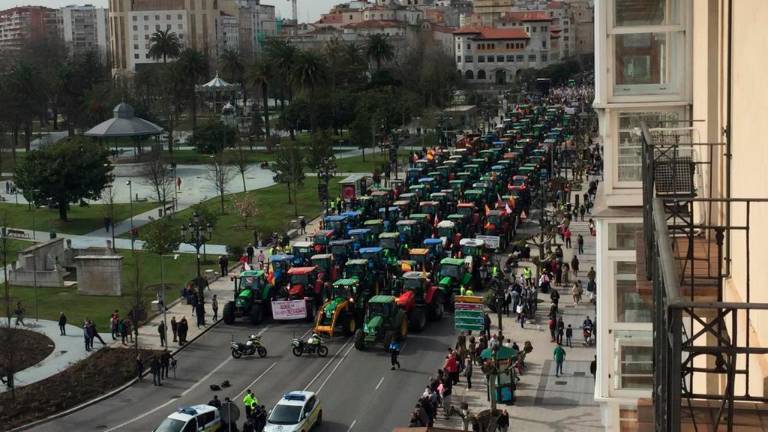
(703,344)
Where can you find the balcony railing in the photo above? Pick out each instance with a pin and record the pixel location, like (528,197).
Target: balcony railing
(702,342)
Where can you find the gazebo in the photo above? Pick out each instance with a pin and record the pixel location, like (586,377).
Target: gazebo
(124,124)
(217,86)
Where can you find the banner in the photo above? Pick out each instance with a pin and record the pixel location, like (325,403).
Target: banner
(491,242)
(289,309)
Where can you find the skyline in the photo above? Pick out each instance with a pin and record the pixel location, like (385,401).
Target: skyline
(309,10)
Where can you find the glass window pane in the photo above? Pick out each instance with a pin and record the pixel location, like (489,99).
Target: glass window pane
(634,360)
(621,236)
(631,304)
(639,12)
(641,59)
(629,145)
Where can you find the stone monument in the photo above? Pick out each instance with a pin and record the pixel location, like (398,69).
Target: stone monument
(99,274)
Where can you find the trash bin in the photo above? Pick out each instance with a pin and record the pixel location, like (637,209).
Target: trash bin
(53,235)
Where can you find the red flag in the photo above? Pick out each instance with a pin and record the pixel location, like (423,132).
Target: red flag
(487,210)
(507,209)
(437,219)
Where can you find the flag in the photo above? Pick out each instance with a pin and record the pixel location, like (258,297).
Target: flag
(523,216)
(437,219)
(487,210)
(507,209)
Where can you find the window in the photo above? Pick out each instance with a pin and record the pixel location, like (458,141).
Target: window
(458,59)
(629,145)
(629,13)
(520,58)
(157,17)
(544,44)
(510,59)
(500,59)
(565,30)
(180,26)
(135,37)
(135,18)
(533,29)
(146,37)
(543,28)
(633,354)
(146,17)
(135,28)
(146,27)
(543,57)
(621,236)
(135,46)
(481,74)
(469,74)
(468,59)
(566,38)
(532,58)
(178,16)
(631,304)
(167,17)
(157,27)
(136,56)
(469,46)
(481,59)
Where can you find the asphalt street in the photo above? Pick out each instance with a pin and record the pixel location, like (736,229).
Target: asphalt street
(357,389)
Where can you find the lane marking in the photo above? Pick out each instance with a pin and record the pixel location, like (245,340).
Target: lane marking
(354,422)
(341,360)
(121,425)
(328,363)
(258,378)
(379,384)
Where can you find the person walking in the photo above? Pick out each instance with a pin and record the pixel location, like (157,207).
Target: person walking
(552,324)
(555,297)
(174,328)
(559,355)
(154,369)
(86,336)
(223,265)
(250,252)
(569,336)
(95,334)
(575,265)
(560,330)
(200,314)
(63,324)
(487,325)
(580,244)
(303,225)
(262,259)
(593,367)
(114,320)
(19,312)
(576,292)
(183,327)
(468,366)
(165,363)
(215,402)
(215,308)
(394,351)
(163,332)
(139,368)
(567,237)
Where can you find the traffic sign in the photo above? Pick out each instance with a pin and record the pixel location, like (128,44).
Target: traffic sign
(469,316)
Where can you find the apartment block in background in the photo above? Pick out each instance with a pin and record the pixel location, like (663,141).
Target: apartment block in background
(20,25)
(85,29)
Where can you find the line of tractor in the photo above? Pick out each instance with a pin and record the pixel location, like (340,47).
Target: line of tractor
(396,257)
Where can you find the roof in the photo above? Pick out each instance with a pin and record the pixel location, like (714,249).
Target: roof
(452,261)
(487,33)
(361,261)
(414,275)
(406,222)
(217,83)
(280,257)
(526,16)
(321,256)
(186,413)
(373,222)
(374,249)
(432,241)
(124,124)
(301,244)
(297,398)
(376,24)
(359,231)
(381,299)
(345,282)
(389,235)
(446,224)
(252,273)
(472,242)
(342,242)
(301,270)
(418,251)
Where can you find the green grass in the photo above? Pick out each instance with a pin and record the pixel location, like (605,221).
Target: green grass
(82,220)
(78,307)
(14,246)
(274,215)
(373,159)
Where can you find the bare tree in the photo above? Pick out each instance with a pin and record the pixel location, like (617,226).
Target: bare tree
(240,161)
(159,175)
(220,173)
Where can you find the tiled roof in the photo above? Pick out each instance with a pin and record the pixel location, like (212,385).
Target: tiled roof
(526,16)
(494,33)
(376,24)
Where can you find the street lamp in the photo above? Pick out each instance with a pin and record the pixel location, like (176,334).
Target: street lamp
(112,215)
(129,183)
(162,289)
(196,234)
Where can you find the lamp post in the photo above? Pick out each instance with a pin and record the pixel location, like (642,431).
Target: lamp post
(129,183)
(196,234)
(112,215)
(162,289)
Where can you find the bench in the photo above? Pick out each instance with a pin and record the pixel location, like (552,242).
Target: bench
(16,233)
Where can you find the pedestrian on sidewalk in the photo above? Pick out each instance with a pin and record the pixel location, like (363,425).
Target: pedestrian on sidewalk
(591,227)
(121,331)
(303,225)
(154,368)
(95,334)
(129,329)
(580,244)
(262,259)
(560,330)
(183,327)
(163,332)
(200,314)
(575,265)
(559,356)
(552,324)
(250,252)
(576,293)
(86,336)
(63,324)
(567,237)
(521,314)
(503,422)
(446,394)
(114,320)
(569,336)
(555,297)
(174,328)
(193,300)
(582,210)
(593,367)
(394,351)
(468,366)
(487,325)
(139,368)
(19,312)
(165,363)
(223,265)
(215,308)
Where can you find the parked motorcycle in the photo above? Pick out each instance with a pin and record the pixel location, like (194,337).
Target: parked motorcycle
(312,345)
(253,346)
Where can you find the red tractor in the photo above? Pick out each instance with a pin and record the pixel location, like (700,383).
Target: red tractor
(420,299)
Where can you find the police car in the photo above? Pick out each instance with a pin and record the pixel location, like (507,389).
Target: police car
(192,419)
(297,411)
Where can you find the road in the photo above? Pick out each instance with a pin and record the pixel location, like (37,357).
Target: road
(357,389)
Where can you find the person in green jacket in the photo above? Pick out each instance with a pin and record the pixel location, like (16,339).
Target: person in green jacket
(559,355)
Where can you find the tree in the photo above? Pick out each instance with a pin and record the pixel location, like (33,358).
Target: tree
(245,206)
(220,174)
(70,171)
(214,137)
(289,169)
(320,156)
(379,49)
(170,103)
(164,44)
(307,73)
(362,130)
(161,237)
(240,159)
(261,75)
(233,68)
(193,66)
(159,175)
(281,55)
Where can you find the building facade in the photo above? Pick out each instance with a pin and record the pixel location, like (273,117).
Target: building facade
(20,25)
(85,29)
(256,22)
(493,56)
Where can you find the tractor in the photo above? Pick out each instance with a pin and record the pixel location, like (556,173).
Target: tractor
(304,284)
(390,242)
(420,299)
(252,298)
(327,270)
(389,215)
(361,237)
(280,265)
(499,223)
(337,224)
(384,322)
(321,240)
(452,276)
(338,313)
(302,252)
(341,250)
(363,271)
(375,225)
(436,249)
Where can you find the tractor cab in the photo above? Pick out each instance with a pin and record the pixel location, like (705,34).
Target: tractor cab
(280,265)
(321,240)
(453,275)
(420,299)
(519,182)
(424,224)
(403,206)
(375,225)
(303,283)
(419,190)
(302,252)
(375,255)
(476,197)
(394,215)
(390,241)
(408,230)
(446,230)
(365,206)
(465,176)
(457,186)
(380,198)
(439,177)
(353,219)
(499,223)
(337,224)
(384,322)
(251,299)
(412,175)
(435,246)
(500,171)
(421,257)
(429,184)
(326,267)
(466,210)
(474,249)
(342,250)
(360,237)
(428,207)
(473,169)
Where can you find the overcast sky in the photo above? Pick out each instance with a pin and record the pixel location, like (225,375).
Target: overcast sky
(309,10)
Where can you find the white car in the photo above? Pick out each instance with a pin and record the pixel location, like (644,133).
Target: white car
(297,411)
(192,419)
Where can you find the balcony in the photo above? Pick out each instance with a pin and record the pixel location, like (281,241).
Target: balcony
(704,341)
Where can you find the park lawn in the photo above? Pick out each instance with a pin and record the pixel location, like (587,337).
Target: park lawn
(52,301)
(373,159)
(82,220)
(14,246)
(274,214)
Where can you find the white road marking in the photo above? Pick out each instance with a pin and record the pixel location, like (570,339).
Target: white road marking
(326,365)
(258,378)
(121,425)
(379,384)
(335,367)
(354,422)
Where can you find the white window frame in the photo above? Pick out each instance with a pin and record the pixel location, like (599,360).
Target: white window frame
(677,68)
(617,375)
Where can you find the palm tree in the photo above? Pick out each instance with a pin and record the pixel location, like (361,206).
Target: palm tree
(308,72)
(281,54)
(194,65)
(233,68)
(261,75)
(164,44)
(379,49)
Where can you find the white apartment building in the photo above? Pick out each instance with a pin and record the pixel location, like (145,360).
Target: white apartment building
(255,22)
(145,23)
(85,29)
(642,74)
(227,32)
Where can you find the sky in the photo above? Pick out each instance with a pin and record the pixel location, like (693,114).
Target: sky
(309,10)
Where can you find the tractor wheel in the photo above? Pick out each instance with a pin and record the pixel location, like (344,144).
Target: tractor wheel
(360,339)
(350,326)
(262,351)
(257,314)
(418,320)
(389,336)
(229,313)
(436,309)
(403,329)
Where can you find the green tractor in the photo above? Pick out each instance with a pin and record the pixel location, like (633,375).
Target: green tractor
(384,322)
(452,276)
(252,294)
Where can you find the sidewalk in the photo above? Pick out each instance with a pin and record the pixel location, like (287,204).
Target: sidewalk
(544,402)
